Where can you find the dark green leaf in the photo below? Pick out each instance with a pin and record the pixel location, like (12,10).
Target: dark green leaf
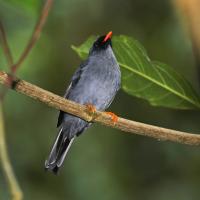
(156,82)
(83,49)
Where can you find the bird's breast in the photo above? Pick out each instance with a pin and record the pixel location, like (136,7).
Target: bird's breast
(98,83)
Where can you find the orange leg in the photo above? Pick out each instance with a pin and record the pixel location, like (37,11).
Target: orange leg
(114,117)
(91,108)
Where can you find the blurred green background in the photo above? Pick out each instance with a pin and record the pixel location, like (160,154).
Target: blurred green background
(103,163)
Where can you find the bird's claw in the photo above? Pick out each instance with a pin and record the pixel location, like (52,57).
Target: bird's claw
(92,111)
(91,108)
(114,117)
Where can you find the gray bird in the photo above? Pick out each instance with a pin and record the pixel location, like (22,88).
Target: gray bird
(96,83)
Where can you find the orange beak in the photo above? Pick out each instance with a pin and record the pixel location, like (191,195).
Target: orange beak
(108,36)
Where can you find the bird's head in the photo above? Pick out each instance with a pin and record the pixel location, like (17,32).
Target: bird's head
(102,42)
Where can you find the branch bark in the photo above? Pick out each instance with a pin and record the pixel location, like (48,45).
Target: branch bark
(81,111)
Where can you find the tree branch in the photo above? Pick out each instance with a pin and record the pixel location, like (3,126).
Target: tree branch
(36,34)
(9,173)
(7,167)
(34,38)
(7,53)
(5,45)
(81,111)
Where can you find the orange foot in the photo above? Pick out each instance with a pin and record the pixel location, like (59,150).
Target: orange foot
(90,108)
(114,117)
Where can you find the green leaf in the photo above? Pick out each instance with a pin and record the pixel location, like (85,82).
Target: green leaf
(155,82)
(83,49)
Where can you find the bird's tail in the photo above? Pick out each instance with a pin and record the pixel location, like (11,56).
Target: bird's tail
(58,152)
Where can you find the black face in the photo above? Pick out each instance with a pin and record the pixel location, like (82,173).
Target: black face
(101,44)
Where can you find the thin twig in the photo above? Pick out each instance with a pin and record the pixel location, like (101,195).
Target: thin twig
(81,111)
(7,167)
(9,173)
(13,185)
(7,53)
(36,34)
(34,38)
(5,45)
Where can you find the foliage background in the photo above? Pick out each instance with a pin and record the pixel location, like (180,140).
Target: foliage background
(103,163)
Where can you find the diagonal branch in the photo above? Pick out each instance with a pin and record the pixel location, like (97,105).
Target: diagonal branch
(81,111)
(7,53)
(36,34)
(5,45)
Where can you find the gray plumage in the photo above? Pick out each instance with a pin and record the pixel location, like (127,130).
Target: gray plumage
(95,82)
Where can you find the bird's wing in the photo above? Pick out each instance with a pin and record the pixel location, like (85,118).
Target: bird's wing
(75,78)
